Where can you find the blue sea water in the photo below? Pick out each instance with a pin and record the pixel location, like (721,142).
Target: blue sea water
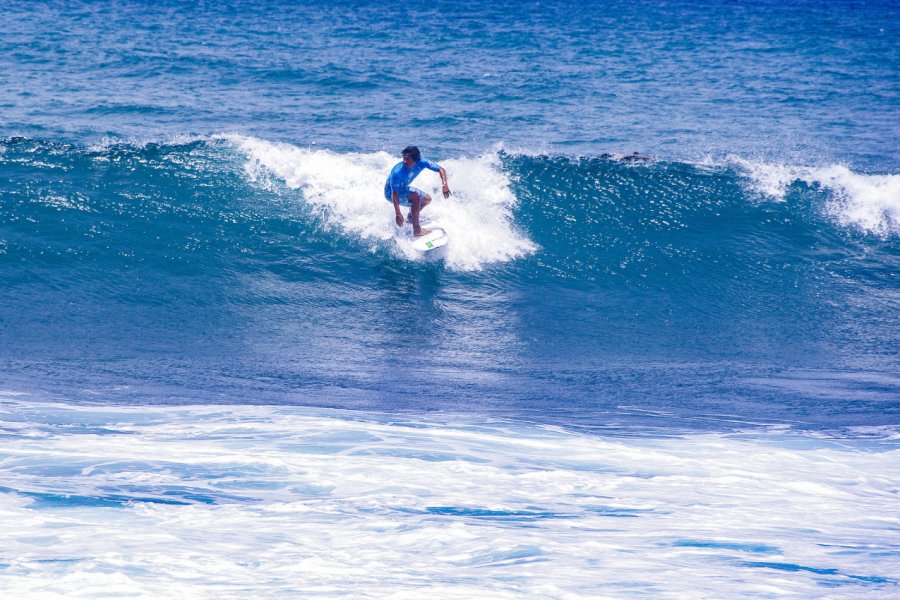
(660,378)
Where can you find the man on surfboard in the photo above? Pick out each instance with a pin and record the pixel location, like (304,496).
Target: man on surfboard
(397,188)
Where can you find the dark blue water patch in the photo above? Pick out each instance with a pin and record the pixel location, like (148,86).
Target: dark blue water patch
(619,511)
(47,500)
(125,108)
(62,561)
(794,568)
(181,494)
(741,547)
(502,515)
(79,429)
(856,549)
(873,579)
(55,500)
(113,497)
(199,498)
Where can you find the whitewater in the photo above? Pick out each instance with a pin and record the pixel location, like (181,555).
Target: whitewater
(340,189)
(230,501)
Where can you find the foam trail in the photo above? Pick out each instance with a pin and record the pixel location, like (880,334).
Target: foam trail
(870,203)
(286,502)
(346,191)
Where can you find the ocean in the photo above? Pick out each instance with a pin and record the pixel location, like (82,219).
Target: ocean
(223,374)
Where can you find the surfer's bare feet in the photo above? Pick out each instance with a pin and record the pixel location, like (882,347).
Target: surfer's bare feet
(422,232)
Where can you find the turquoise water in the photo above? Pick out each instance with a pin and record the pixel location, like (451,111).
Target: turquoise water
(210,328)
(577,291)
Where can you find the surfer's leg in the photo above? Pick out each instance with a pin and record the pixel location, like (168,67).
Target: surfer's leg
(416,201)
(425,202)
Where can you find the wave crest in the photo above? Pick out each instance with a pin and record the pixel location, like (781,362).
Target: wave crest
(870,203)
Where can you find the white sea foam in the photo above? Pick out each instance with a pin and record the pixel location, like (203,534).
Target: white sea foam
(346,192)
(870,203)
(283,502)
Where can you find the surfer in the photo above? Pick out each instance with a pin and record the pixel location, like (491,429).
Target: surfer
(397,188)
(633,157)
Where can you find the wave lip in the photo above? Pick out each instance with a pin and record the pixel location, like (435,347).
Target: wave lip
(346,192)
(870,203)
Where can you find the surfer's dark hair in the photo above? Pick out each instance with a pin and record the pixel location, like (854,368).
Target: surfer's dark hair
(412,152)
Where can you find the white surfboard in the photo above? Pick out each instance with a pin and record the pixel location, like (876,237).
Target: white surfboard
(431,241)
(427,243)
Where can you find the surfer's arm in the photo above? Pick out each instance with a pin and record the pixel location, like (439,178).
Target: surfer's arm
(395,198)
(445,188)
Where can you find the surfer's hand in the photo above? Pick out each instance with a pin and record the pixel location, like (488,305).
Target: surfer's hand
(399,219)
(446,190)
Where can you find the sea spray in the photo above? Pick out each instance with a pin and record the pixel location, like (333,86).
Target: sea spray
(347,193)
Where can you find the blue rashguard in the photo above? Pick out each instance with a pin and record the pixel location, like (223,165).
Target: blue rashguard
(401,177)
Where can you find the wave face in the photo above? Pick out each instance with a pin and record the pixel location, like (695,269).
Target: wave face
(589,291)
